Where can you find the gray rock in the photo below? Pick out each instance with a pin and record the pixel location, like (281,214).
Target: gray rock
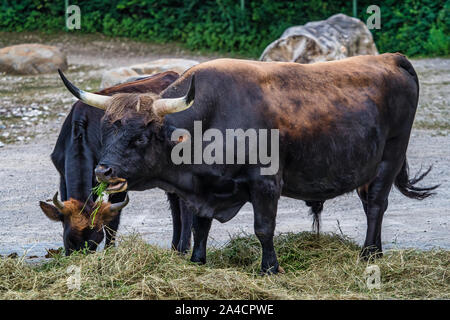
(116,76)
(132,73)
(336,38)
(31,58)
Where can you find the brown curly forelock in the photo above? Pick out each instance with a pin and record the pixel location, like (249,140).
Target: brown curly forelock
(128,105)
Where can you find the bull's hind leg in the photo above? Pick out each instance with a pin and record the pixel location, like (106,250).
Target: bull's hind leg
(374,196)
(374,210)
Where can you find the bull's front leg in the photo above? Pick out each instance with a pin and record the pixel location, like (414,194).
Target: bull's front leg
(175,210)
(264,199)
(184,243)
(111,230)
(200,228)
(112,227)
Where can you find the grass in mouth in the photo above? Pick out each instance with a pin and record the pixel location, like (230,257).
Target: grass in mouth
(99,191)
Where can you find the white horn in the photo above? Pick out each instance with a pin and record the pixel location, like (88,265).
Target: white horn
(167,106)
(92,99)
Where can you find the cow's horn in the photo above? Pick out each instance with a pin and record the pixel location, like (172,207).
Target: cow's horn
(92,99)
(167,106)
(119,205)
(58,204)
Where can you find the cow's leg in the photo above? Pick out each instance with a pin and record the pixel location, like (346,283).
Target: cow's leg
(374,196)
(63,188)
(374,214)
(175,210)
(200,228)
(184,243)
(264,198)
(111,231)
(112,227)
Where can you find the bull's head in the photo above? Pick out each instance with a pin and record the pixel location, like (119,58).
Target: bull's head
(135,139)
(81,228)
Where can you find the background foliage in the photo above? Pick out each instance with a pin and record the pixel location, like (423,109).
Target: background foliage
(414,27)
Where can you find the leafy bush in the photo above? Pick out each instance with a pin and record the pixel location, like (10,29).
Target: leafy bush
(414,27)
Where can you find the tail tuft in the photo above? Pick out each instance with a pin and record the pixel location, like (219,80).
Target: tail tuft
(316,210)
(407,186)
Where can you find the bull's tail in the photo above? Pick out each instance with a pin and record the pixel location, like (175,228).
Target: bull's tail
(407,186)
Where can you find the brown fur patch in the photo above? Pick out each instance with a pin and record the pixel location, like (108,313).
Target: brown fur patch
(303,99)
(127,105)
(81,220)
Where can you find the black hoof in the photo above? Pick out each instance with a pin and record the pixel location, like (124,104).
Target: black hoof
(199,260)
(272,270)
(370,253)
(183,249)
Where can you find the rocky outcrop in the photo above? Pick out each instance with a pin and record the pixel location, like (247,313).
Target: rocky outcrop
(336,38)
(31,58)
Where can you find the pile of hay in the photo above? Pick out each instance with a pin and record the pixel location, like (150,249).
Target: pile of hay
(323,268)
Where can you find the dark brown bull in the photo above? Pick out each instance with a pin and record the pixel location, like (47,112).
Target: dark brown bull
(343,126)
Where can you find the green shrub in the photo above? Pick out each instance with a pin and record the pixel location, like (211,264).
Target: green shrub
(414,27)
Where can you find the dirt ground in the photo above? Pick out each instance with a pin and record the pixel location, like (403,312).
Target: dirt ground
(32,110)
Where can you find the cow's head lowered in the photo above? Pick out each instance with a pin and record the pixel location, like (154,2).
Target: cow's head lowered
(135,140)
(82,229)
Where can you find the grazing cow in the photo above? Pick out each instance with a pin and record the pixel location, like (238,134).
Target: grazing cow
(75,156)
(342,126)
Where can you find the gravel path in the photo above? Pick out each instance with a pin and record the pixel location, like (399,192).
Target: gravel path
(27,174)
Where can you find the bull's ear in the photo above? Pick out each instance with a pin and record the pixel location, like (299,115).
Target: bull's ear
(51,211)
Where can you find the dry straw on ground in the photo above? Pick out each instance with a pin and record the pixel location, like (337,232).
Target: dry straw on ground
(316,268)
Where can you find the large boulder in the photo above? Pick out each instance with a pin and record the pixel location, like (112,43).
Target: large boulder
(338,37)
(116,76)
(32,58)
(126,74)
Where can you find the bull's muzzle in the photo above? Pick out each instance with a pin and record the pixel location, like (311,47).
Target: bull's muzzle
(106,174)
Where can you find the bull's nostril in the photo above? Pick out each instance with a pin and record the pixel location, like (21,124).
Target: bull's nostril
(103,172)
(108,172)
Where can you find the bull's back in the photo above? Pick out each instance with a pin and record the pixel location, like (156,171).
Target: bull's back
(334,117)
(298,98)
(342,121)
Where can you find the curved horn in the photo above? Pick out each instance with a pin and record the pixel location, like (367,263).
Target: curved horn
(92,99)
(119,205)
(58,204)
(167,106)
